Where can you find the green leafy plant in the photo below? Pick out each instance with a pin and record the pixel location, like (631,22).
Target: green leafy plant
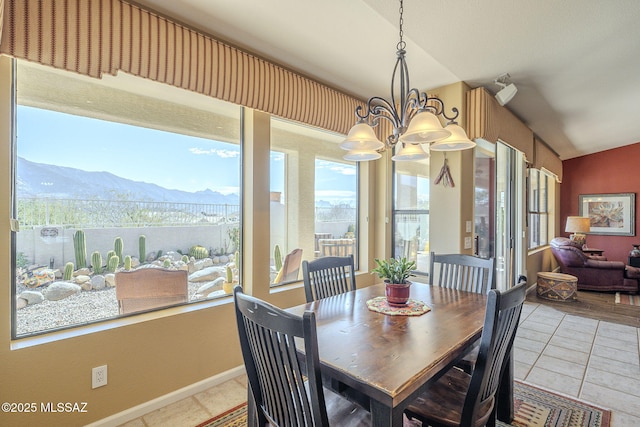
(394,270)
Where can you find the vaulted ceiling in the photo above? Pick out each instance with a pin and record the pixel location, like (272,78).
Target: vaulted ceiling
(576,63)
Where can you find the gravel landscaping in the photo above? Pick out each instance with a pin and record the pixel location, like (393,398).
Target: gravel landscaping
(87,306)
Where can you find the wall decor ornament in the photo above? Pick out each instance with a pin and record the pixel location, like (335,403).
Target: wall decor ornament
(610,214)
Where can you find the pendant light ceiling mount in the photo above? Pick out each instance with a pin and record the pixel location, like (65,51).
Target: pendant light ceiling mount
(413,116)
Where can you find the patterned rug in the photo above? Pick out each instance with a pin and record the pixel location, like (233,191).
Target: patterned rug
(534,407)
(627,299)
(234,417)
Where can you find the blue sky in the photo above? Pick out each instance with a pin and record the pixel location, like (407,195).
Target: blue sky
(167,159)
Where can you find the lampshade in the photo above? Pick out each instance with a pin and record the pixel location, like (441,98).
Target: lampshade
(424,127)
(458,140)
(411,152)
(361,137)
(577,224)
(362,155)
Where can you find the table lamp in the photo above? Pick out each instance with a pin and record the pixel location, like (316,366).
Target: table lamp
(578,225)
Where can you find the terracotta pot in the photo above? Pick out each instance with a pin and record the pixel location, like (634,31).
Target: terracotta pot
(397,293)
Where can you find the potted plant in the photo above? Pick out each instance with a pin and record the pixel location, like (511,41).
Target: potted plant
(395,272)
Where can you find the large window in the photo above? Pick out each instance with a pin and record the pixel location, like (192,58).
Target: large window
(541,196)
(313,199)
(411,212)
(113,176)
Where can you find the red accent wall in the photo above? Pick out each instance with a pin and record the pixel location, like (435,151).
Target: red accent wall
(611,171)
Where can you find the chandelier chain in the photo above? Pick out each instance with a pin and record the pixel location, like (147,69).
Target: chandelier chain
(401,44)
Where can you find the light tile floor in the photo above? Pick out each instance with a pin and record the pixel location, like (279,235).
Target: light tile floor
(592,360)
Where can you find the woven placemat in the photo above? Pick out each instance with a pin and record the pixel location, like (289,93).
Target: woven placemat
(413,307)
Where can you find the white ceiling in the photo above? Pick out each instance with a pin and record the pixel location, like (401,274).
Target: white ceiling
(576,63)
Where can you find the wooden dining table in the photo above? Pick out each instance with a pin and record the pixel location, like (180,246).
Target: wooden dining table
(391,359)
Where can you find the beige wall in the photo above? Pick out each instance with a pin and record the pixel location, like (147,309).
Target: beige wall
(451,207)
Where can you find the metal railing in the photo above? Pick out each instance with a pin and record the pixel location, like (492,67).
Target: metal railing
(90,213)
(336,213)
(74,213)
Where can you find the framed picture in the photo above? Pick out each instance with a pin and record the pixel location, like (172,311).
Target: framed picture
(610,213)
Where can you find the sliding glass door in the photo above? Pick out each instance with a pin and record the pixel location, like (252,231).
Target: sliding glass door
(510,207)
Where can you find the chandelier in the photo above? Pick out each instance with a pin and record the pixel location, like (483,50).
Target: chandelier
(413,115)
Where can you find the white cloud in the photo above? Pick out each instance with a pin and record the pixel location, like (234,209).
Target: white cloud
(344,170)
(335,194)
(225,154)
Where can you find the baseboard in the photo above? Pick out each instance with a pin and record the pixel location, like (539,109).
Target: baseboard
(167,399)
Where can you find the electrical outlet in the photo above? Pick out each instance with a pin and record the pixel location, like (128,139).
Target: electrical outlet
(468,227)
(467,242)
(99,376)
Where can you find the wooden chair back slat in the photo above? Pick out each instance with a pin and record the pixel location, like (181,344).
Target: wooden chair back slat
(328,276)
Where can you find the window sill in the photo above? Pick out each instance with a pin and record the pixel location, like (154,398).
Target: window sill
(537,250)
(106,325)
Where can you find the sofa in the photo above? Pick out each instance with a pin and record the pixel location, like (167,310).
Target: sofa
(594,273)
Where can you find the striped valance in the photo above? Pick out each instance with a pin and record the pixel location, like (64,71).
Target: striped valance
(94,37)
(490,121)
(546,158)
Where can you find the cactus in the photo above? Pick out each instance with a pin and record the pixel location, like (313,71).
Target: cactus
(198,252)
(185,259)
(112,263)
(80,248)
(166,263)
(236,258)
(227,285)
(68,271)
(127,263)
(142,248)
(117,247)
(159,254)
(229,275)
(96,262)
(277,257)
(110,254)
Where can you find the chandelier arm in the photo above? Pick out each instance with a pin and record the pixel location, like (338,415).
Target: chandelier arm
(378,107)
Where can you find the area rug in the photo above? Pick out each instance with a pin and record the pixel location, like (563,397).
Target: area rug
(534,407)
(627,299)
(234,417)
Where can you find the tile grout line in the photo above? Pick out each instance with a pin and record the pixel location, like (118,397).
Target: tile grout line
(546,344)
(586,368)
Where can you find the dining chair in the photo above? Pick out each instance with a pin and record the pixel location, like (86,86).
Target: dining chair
(290,267)
(461,399)
(462,272)
(466,273)
(328,276)
(285,387)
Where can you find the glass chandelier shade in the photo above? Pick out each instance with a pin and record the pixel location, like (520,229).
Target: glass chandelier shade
(458,140)
(410,152)
(424,127)
(362,137)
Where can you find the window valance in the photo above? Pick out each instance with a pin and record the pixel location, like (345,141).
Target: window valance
(546,158)
(490,121)
(94,37)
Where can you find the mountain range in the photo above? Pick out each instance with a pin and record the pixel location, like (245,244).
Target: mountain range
(40,180)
